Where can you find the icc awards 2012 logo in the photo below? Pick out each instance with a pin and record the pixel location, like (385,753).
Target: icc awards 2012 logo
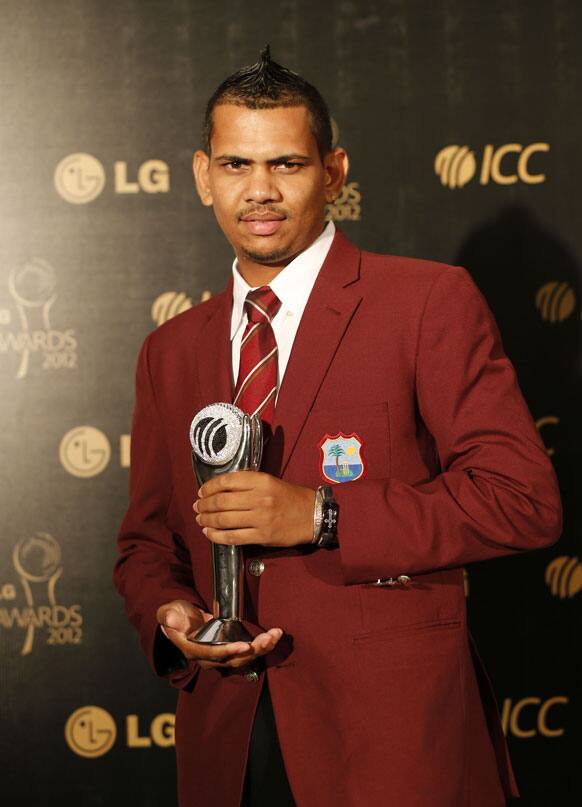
(28,340)
(29,605)
(348,205)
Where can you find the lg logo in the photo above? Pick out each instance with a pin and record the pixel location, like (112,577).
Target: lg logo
(80,178)
(84,451)
(91,732)
(502,165)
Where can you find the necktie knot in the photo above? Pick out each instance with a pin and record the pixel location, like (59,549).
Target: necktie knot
(256,387)
(261,304)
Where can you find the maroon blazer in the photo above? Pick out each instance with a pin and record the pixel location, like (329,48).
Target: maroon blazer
(378,692)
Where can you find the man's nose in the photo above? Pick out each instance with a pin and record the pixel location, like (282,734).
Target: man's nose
(262,186)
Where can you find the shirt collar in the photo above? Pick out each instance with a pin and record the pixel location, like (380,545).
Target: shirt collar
(292,285)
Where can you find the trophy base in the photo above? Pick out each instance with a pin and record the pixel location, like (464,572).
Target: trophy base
(222,631)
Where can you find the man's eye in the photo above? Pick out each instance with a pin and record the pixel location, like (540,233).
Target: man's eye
(291,165)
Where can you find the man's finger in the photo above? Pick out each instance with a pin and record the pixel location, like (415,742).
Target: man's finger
(181,616)
(174,619)
(225,500)
(261,645)
(229,519)
(219,653)
(232,537)
(235,654)
(235,480)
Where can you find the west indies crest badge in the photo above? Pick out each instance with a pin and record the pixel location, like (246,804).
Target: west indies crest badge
(342,459)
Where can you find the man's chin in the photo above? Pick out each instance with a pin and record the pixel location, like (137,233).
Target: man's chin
(266,255)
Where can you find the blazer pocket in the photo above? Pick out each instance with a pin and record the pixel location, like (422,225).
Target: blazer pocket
(348,442)
(433,626)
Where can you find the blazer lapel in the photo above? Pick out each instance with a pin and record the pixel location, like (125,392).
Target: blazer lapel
(329,310)
(213,352)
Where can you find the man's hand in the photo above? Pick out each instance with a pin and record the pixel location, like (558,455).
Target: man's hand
(251,507)
(180,619)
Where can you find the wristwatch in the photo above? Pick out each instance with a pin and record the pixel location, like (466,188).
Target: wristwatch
(325,517)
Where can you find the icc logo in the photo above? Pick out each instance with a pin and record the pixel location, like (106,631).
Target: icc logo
(555,301)
(80,178)
(84,451)
(171,303)
(457,165)
(537,723)
(564,576)
(168,305)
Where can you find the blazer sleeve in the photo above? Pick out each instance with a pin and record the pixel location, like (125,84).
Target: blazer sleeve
(153,565)
(497,491)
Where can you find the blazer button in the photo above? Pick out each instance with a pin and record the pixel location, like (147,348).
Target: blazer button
(256,567)
(252,677)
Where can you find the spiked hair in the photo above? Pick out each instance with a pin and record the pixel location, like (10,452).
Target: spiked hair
(265,85)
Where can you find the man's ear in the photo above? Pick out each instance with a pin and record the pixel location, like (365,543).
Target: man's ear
(200,167)
(336,164)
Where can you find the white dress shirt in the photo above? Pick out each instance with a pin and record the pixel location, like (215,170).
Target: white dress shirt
(292,286)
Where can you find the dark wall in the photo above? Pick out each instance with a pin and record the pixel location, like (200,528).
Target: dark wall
(95,252)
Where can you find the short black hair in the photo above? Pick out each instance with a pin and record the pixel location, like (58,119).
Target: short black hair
(265,85)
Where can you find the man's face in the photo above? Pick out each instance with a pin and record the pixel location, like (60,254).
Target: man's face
(266,181)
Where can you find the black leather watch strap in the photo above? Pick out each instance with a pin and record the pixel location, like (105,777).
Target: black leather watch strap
(328,534)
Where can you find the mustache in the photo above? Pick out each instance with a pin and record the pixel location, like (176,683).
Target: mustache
(260,211)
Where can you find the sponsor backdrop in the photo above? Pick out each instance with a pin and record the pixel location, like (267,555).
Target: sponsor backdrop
(463,126)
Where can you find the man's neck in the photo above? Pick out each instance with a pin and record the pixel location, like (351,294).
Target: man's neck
(259,274)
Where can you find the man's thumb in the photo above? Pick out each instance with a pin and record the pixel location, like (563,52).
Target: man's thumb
(174,619)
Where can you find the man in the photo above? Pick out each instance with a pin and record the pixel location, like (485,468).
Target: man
(383,378)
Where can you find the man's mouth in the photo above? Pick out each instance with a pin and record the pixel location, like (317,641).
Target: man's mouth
(263,223)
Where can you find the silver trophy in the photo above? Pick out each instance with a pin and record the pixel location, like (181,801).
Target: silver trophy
(223,439)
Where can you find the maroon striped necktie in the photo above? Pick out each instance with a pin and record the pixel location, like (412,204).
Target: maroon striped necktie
(256,386)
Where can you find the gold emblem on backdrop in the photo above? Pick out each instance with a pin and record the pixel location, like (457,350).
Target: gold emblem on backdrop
(91,731)
(455,165)
(555,301)
(564,576)
(168,305)
(31,605)
(84,451)
(171,303)
(501,165)
(27,331)
(530,717)
(80,178)
(348,205)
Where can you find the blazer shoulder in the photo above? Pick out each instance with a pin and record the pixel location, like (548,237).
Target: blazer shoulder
(419,273)
(184,327)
